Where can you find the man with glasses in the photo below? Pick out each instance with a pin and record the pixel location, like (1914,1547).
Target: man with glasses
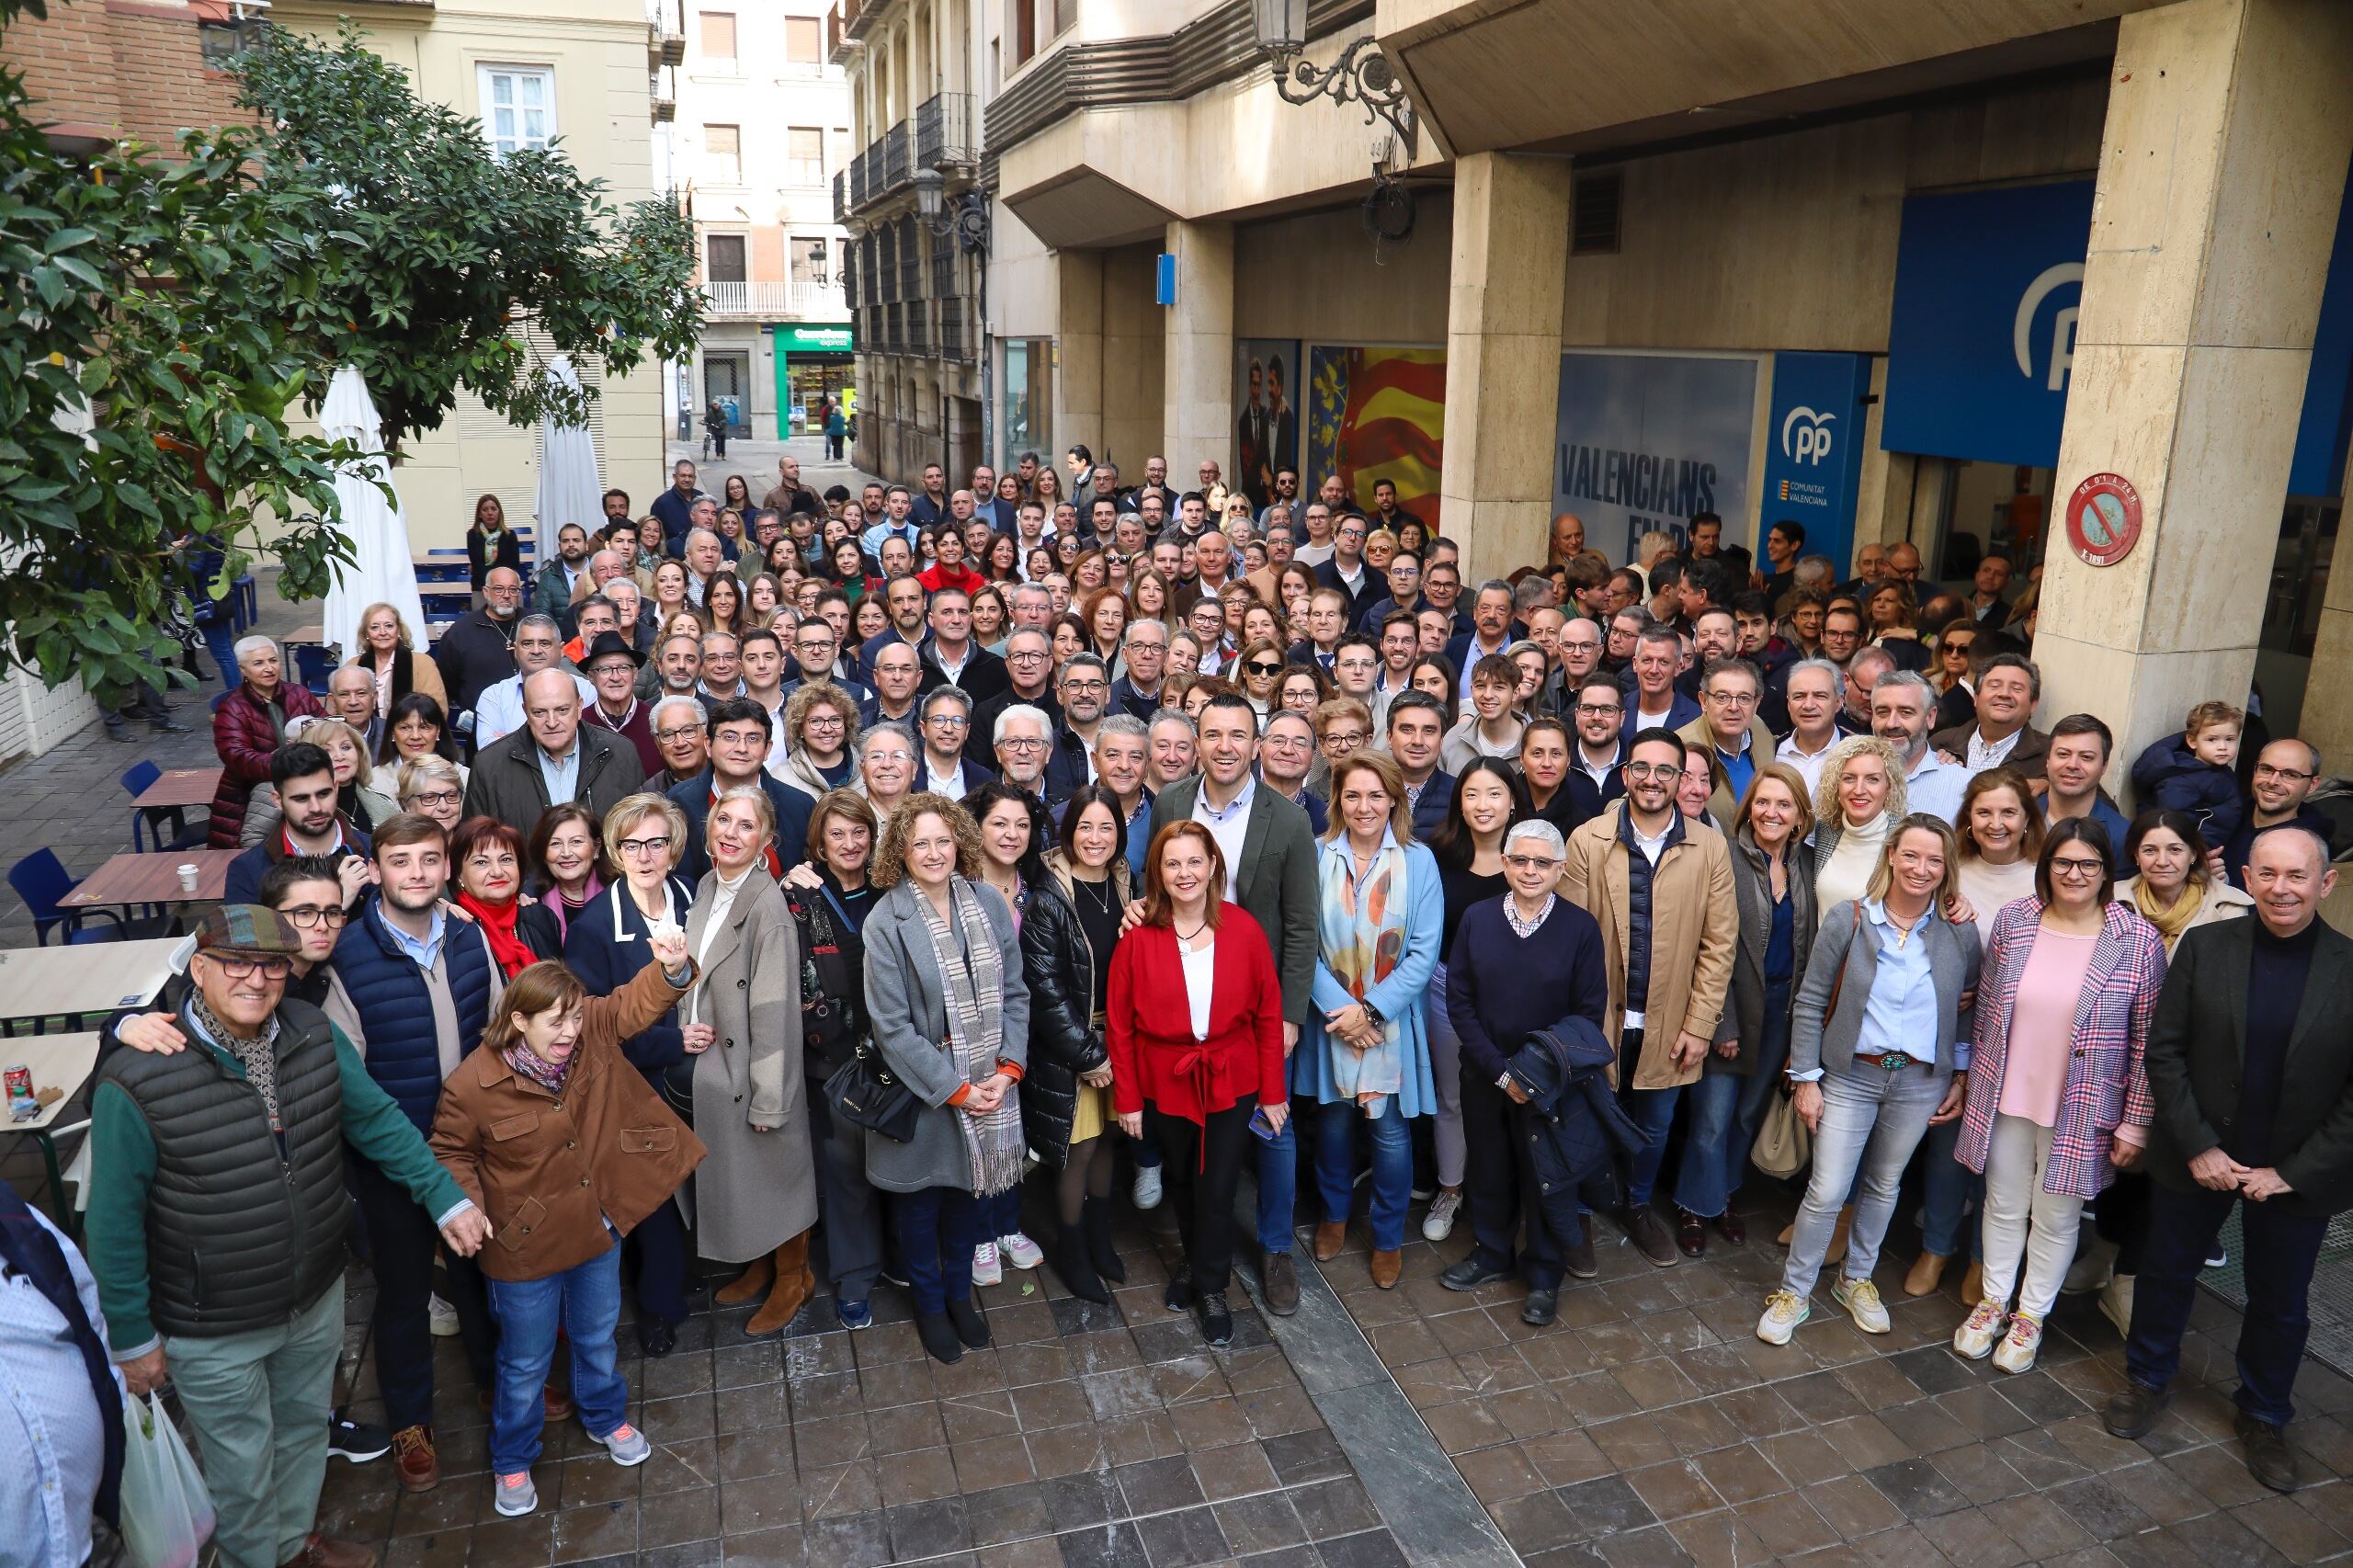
(1029,675)
(1405,595)
(611,666)
(1729,688)
(946,724)
(1085,689)
(1577,653)
(676,722)
(1660,887)
(554,759)
(898,677)
(1346,571)
(1530,960)
(816,653)
(1270,851)
(1023,740)
(1145,647)
(1286,752)
(231,1147)
(740,731)
(310,824)
(1599,718)
(2285,773)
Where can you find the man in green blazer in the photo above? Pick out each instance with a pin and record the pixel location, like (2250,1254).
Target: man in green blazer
(2250,1070)
(1270,871)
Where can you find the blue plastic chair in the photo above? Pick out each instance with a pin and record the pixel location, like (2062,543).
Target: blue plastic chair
(135,779)
(312,666)
(40,879)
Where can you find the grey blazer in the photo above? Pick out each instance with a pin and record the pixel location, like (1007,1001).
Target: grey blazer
(1829,1044)
(908,1000)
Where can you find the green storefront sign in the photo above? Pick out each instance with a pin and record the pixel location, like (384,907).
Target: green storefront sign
(830,343)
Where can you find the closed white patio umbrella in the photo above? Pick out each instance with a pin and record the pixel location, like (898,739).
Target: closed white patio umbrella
(381,569)
(569,489)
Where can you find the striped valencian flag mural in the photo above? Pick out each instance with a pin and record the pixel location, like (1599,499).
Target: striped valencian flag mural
(1376,414)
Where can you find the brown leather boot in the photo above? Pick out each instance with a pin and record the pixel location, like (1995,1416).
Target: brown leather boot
(1386,1267)
(1928,1272)
(757,1276)
(794,1283)
(1331,1235)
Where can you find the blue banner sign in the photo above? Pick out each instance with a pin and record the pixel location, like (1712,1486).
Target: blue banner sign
(1814,450)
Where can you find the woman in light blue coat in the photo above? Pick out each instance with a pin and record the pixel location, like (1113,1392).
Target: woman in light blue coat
(1380,915)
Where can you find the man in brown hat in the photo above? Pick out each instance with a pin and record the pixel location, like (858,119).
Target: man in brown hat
(216,1227)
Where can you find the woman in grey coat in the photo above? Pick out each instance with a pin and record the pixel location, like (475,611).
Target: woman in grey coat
(756,1192)
(1877,1053)
(951,1015)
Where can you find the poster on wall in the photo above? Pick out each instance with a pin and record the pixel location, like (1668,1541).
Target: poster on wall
(1265,436)
(1648,440)
(1376,414)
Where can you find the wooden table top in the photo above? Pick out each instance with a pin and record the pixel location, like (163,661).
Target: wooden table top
(315,632)
(154,877)
(180,786)
(64,1061)
(90,977)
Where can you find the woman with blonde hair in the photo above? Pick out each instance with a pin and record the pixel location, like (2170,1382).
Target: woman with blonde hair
(432,787)
(606,945)
(951,1015)
(384,652)
(1876,1054)
(1380,915)
(1858,799)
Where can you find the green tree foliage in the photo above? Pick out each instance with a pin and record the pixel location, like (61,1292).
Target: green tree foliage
(184,310)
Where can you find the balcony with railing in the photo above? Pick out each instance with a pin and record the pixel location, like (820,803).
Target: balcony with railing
(898,148)
(841,195)
(947,132)
(775,301)
(953,342)
(919,328)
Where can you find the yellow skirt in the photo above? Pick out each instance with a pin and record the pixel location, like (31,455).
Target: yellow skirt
(1091,1116)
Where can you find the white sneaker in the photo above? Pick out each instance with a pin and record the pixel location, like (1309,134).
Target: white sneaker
(2116,1301)
(441,1318)
(1020,1251)
(1974,1338)
(1784,1310)
(1438,1223)
(986,1267)
(2016,1353)
(1147,1192)
(514,1494)
(1861,1297)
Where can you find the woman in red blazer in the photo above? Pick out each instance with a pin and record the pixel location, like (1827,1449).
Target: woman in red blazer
(1195,1028)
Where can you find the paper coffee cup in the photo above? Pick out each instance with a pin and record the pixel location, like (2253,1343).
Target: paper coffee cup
(188,876)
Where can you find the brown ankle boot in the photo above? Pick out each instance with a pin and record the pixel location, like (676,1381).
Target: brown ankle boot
(757,1276)
(794,1284)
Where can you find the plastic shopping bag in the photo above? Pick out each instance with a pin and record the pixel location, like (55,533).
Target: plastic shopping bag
(166,1512)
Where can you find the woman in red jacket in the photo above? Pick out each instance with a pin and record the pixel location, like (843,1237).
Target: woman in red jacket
(1195,1029)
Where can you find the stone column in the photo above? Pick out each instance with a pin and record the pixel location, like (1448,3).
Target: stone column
(1077,413)
(1503,357)
(2220,172)
(1197,403)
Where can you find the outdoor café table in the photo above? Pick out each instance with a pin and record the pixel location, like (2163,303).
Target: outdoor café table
(65,1063)
(153,879)
(177,792)
(81,982)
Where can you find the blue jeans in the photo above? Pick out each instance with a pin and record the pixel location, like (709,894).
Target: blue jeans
(1953,1190)
(1872,1121)
(1392,1167)
(1279,1183)
(938,1227)
(2278,1251)
(1654,1112)
(585,1301)
(1725,1110)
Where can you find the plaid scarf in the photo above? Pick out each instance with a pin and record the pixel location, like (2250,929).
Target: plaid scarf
(975,993)
(529,1063)
(257,1055)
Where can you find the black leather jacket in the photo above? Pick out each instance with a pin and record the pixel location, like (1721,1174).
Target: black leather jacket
(1064,1041)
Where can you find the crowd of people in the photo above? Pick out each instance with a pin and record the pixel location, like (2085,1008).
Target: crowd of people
(917,871)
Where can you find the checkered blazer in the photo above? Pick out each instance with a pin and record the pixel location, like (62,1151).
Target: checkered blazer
(2107,1084)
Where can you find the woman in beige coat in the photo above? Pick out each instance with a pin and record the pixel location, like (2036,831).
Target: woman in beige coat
(756,1195)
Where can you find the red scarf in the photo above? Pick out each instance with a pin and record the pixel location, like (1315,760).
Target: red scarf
(498,921)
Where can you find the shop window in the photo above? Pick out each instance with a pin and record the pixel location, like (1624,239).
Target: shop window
(517,107)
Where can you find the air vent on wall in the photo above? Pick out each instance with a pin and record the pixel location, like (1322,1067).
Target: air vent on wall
(1595,202)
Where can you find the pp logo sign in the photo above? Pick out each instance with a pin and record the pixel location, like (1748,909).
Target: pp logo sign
(1806,436)
(2062,323)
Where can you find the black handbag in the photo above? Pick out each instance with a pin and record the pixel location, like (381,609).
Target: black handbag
(863,1093)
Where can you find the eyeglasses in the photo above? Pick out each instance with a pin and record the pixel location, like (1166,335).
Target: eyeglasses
(1288,742)
(674,733)
(1020,743)
(1664,773)
(1731,699)
(245,968)
(2264,770)
(1026,656)
(1531,862)
(1350,738)
(2070,867)
(436,797)
(1086,686)
(646,845)
(949,720)
(310,917)
(1598,709)
(1261,668)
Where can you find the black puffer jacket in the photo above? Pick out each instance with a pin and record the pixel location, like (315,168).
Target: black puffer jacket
(1064,1041)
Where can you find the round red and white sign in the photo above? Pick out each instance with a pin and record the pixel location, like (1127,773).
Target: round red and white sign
(2104,518)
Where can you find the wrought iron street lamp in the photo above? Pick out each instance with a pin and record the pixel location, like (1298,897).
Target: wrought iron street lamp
(966,217)
(1361,74)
